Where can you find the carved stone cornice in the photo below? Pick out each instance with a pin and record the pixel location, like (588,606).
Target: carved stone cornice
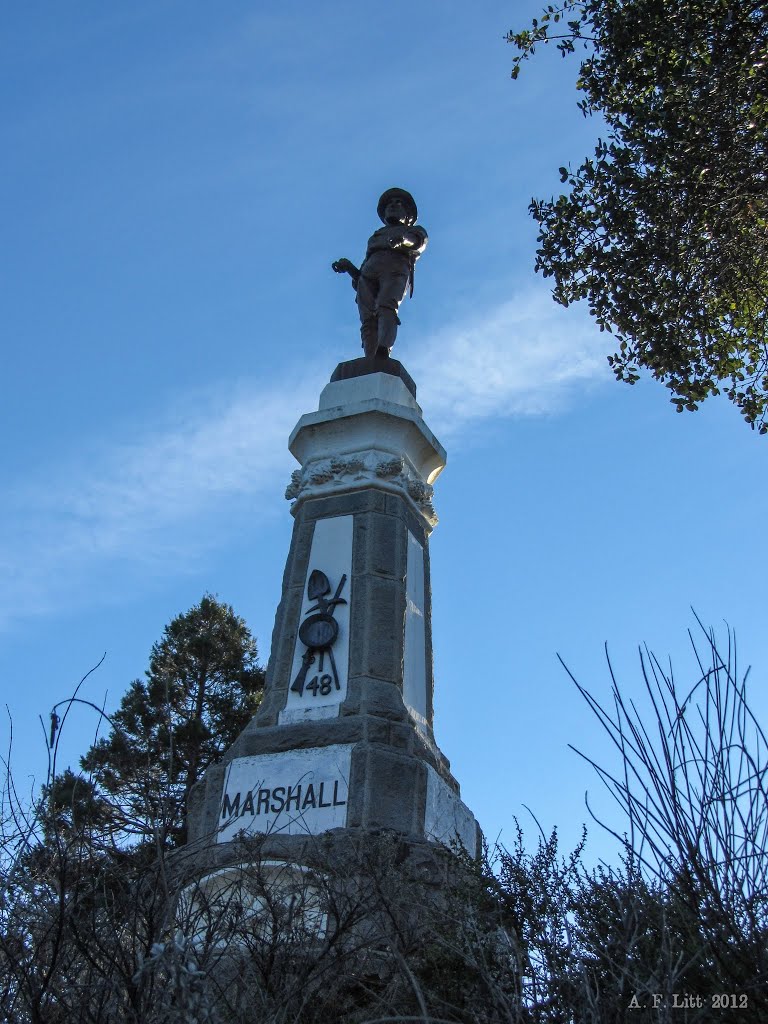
(355,470)
(368,432)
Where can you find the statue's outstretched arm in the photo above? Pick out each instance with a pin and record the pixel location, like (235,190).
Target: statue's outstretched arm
(345,266)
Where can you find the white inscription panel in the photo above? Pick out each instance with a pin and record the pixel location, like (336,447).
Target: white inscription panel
(447,817)
(293,792)
(415,654)
(319,685)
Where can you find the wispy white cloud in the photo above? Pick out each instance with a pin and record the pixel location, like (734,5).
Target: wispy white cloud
(524,358)
(139,507)
(147,505)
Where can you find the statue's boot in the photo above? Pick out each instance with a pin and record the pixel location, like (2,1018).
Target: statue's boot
(370,335)
(387,330)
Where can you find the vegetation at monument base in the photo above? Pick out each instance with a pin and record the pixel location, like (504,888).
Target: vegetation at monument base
(665,229)
(93,929)
(201,689)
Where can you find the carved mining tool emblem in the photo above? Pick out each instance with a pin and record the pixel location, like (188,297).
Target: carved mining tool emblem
(318,633)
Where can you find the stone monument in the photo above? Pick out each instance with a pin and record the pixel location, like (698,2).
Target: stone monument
(343,741)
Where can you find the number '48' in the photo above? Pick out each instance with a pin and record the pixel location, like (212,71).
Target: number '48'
(320,684)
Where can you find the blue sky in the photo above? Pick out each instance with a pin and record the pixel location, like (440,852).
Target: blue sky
(177,178)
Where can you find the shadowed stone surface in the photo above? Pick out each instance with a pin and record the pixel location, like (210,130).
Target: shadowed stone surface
(375,364)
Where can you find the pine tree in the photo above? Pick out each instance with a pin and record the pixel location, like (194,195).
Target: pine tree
(202,687)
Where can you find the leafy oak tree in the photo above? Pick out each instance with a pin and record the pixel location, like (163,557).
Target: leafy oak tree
(664,230)
(202,687)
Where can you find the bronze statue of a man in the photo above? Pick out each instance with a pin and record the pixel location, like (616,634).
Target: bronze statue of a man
(387,270)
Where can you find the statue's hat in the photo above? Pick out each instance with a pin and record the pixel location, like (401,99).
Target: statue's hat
(398,193)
